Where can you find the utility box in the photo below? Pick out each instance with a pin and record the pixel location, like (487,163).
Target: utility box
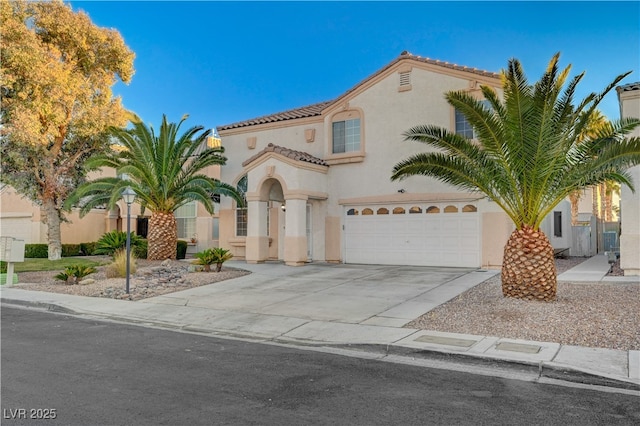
(11,251)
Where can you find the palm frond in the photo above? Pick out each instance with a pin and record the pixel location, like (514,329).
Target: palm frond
(534,147)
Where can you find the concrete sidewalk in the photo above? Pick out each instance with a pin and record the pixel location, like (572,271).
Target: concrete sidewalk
(360,307)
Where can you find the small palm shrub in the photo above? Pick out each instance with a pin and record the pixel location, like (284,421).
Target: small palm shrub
(113,241)
(212,256)
(205,258)
(118,268)
(75,273)
(221,255)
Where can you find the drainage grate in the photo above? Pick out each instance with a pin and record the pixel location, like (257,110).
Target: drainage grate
(450,341)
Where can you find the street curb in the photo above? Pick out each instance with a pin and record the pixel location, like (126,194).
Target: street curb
(542,369)
(51,307)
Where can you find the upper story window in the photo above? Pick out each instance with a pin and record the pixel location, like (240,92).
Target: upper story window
(462,125)
(346,136)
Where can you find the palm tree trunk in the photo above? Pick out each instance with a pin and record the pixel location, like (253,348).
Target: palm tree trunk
(601,196)
(608,204)
(162,236)
(574,197)
(528,267)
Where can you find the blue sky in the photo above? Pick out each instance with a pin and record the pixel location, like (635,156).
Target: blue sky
(222,62)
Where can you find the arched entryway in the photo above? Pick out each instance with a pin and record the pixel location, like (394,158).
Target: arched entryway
(277,224)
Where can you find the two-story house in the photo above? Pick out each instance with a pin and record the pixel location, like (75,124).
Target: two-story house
(318,182)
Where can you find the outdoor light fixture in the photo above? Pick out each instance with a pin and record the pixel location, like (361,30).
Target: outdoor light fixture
(128,195)
(402,191)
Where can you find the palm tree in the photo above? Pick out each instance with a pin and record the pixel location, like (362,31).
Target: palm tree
(164,170)
(527,159)
(595,122)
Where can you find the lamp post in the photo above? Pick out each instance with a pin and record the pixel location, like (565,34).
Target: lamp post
(128,196)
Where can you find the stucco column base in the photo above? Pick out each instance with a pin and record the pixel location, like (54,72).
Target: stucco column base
(256,249)
(629,249)
(295,250)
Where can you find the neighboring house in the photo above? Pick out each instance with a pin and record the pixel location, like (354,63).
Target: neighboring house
(318,178)
(629,99)
(22,219)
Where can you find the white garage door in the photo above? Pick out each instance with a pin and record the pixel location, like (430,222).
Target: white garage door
(423,235)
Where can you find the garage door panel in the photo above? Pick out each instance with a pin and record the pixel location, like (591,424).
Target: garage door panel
(439,239)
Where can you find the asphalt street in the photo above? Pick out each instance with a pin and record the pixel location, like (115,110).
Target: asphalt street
(62,370)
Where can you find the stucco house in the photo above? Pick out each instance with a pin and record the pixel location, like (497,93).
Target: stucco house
(318,178)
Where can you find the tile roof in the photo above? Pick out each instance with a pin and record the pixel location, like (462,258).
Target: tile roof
(629,87)
(445,64)
(290,153)
(303,112)
(316,109)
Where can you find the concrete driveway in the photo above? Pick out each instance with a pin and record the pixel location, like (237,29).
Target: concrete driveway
(354,294)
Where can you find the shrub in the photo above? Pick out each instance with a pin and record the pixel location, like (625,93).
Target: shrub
(113,241)
(75,273)
(221,255)
(140,249)
(212,256)
(118,269)
(87,249)
(38,251)
(3,267)
(181,249)
(205,258)
(69,250)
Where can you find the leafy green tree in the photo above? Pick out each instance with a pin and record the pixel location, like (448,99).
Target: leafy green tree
(528,157)
(165,170)
(57,70)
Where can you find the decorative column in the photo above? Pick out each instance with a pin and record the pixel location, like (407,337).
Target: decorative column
(295,234)
(111,219)
(257,242)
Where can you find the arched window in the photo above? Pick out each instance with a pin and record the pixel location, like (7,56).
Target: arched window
(469,209)
(415,209)
(451,209)
(399,210)
(352,212)
(432,209)
(383,210)
(241,213)
(367,212)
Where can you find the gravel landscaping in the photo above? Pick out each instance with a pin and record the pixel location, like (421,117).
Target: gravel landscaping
(152,278)
(600,315)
